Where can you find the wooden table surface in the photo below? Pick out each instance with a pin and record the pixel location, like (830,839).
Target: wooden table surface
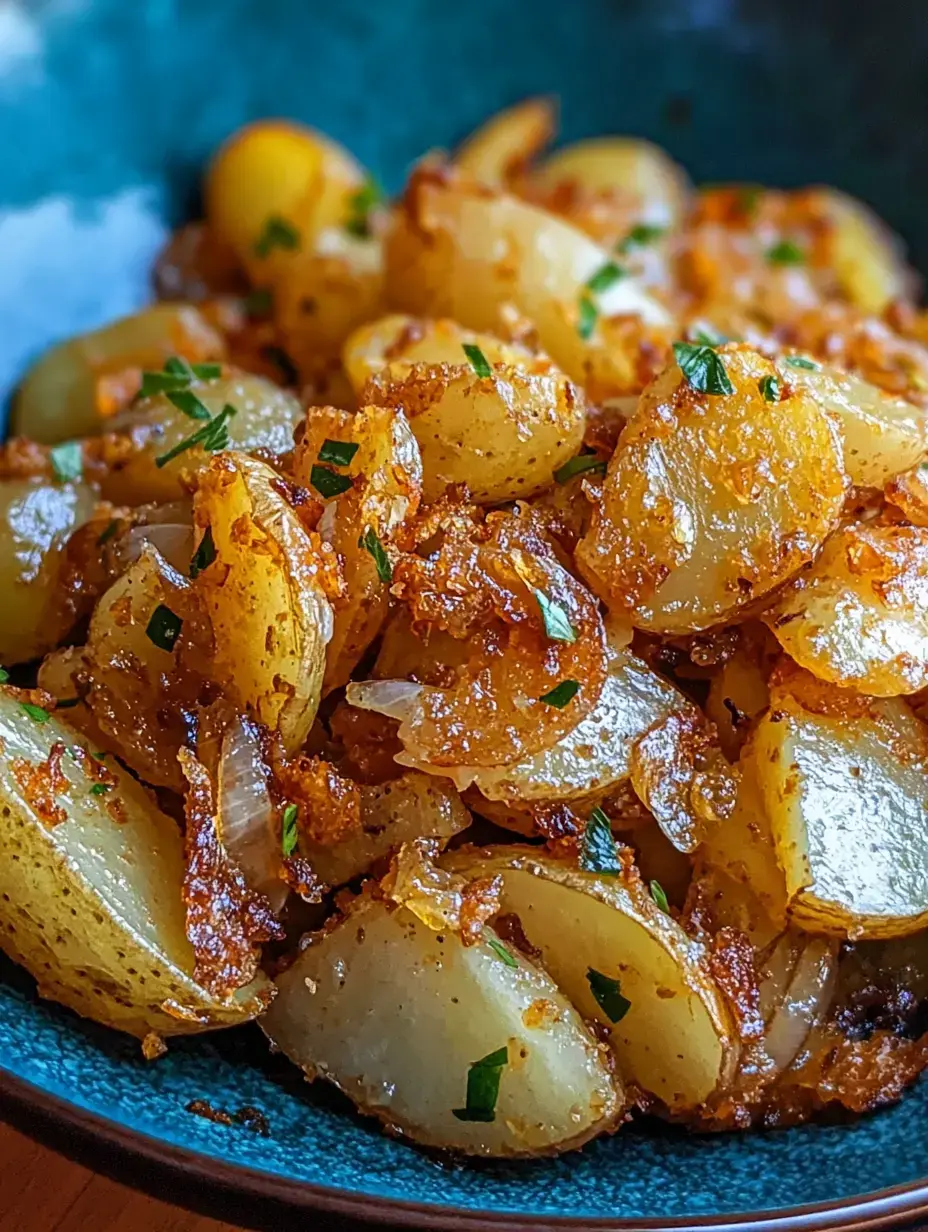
(59,1181)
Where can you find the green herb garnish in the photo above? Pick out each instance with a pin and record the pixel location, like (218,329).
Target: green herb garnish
(769,386)
(186,400)
(706,335)
(35,712)
(327,483)
(483,1087)
(277,233)
(108,532)
(289,833)
(586,318)
(561,694)
(67,461)
(360,205)
(177,376)
(4,675)
(497,946)
(478,361)
(608,995)
(605,276)
(100,789)
(205,554)
(749,198)
(640,235)
(339,453)
(702,368)
(799,361)
(163,627)
(557,626)
(213,437)
(597,848)
(370,542)
(582,464)
(786,253)
(657,893)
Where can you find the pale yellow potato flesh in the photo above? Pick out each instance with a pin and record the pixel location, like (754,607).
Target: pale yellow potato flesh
(677,1041)
(858,616)
(882,435)
(458,250)
(710,501)
(36,519)
(394,1015)
(842,780)
(868,259)
(58,398)
(264,420)
(505,145)
(91,901)
(263,595)
(628,164)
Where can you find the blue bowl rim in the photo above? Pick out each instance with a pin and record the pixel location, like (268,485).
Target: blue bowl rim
(884,1208)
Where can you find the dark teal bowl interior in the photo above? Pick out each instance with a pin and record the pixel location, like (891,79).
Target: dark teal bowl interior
(108,109)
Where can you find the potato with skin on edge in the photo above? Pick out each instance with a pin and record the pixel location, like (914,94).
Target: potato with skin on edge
(712,499)
(842,780)
(36,519)
(395,1012)
(676,1040)
(858,616)
(101,929)
(265,594)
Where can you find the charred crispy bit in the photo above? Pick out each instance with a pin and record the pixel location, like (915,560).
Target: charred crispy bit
(226,922)
(370,743)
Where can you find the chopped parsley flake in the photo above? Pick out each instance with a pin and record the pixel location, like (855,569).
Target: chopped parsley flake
(35,712)
(163,627)
(702,368)
(339,453)
(605,276)
(277,233)
(639,236)
(478,361)
(786,253)
(582,464)
(483,1079)
(289,833)
(586,318)
(597,848)
(327,483)
(67,461)
(800,361)
(4,675)
(370,542)
(360,206)
(497,946)
(557,626)
(561,694)
(177,376)
(100,789)
(187,401)
(608,995)
(769,386)
(213,437)
(657,893)
(108,532)
(205,554)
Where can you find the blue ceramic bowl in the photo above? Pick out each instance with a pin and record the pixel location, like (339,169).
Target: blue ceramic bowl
(108,109)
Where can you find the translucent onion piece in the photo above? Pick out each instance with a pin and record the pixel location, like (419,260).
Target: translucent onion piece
(246,820)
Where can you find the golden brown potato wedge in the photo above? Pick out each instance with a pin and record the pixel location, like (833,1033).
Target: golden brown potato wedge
(858,616)
(396,1015)
(264,595)
(91,875)
(842,779)
(668,1023)
(711,500)
(503,147)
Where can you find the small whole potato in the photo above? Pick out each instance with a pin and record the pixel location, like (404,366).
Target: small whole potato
(712,499)
(36,520)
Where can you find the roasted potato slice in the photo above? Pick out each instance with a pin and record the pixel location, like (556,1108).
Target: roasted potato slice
(63,395)
(265,595)
(395,1015)
(36,519)
(738,690)
(882,435)
(711,500)
(503,147)
(458,250)
(867,257)
(670,1028)
(842,779)
(858,616)
(91,875)
(261,418)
